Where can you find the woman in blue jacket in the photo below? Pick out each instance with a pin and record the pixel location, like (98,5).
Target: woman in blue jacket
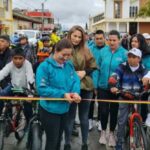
(138,41)
(56,78)
(109,59)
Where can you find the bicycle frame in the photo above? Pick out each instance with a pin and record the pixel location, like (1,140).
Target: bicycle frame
(134,115)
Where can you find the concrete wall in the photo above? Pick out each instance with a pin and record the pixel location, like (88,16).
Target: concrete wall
(112,26)
(125,8)
(123,27)
(135,3)
(109,6)
(23,24)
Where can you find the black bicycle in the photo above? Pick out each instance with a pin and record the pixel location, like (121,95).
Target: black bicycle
(34,138)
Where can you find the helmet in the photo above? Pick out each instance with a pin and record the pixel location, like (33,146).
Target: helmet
(45,38)
(23,37)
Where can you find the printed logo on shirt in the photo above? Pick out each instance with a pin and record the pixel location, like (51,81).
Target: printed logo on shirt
(119,59)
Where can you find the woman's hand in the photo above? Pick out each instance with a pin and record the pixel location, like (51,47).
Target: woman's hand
(81,74)
(68,97)
(76,97)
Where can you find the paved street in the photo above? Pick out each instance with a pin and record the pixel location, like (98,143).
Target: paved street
(11,143)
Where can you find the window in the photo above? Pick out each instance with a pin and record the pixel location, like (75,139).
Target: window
(6,4)
(133,11)
(117,9)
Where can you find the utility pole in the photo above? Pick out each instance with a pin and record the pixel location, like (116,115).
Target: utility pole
(43,16)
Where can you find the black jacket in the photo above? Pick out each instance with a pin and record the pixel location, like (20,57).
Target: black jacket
(4,59)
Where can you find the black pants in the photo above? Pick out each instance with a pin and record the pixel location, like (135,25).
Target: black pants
(1,106)
(91,111)
(54,125)
(28,112)
(107,109)
(144,108)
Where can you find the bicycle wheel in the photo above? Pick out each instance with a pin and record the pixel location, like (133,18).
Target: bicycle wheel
(139,140)
(1,135)
(35,137)
(148,136)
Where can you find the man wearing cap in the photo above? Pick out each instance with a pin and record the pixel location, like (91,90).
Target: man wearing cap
(147,38)
(28,51)
(128,76)
(5,57)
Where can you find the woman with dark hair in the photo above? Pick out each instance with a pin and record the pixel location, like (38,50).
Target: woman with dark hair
(138,41)
(56,78)
(84,64)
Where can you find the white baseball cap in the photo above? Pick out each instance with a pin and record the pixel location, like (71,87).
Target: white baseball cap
(146,35)
(136,52)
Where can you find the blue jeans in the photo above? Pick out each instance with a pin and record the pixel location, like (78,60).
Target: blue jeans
(84,107)
(5,92)
(122,122)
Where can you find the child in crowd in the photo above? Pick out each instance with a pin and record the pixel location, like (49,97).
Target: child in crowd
(21,74)
(128,76)
(20,71)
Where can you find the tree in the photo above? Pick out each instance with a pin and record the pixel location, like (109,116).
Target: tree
(145,10)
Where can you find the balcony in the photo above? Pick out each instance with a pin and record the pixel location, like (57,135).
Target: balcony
(98,18)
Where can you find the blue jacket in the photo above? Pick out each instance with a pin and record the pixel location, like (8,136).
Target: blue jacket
(53,81)
(95,50)
(146,61)
(107,63)
(129,80)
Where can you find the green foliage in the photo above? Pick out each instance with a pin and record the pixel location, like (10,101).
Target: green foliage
(145,10)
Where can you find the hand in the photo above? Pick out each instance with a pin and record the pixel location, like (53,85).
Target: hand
(68,97)
(76,97)
(81,74)
(129,96)
(145,81)
(112,81)
(114,90)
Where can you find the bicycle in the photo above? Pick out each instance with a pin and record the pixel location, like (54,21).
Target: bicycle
(35,131)
(12,118)
(135,132)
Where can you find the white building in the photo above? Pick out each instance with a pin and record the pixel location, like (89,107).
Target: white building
(120,15)
(6,19)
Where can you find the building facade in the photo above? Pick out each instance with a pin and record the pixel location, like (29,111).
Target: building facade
(121,15)
(22,21)
(6,17)
(46,17)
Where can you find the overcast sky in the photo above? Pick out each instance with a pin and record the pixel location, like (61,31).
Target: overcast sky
(67,12)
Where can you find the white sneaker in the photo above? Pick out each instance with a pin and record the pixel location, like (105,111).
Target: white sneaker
(147,122)
(99,127)
(90,124)
(102,139)
(112,140)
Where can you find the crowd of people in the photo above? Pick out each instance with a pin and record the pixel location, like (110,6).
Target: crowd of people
(78,69)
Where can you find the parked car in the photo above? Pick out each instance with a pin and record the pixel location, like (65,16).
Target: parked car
(33,35)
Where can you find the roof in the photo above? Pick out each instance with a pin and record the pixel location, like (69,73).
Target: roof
(20,16)
(39,14)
